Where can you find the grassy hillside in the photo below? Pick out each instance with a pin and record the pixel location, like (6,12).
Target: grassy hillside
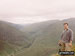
(42,38)
(11,39)
(73,49)
(46,38)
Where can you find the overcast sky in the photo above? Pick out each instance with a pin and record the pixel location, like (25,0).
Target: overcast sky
(31,11)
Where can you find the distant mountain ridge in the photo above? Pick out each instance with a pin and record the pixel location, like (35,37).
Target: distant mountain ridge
(11,38)
(41,37)
(47,36)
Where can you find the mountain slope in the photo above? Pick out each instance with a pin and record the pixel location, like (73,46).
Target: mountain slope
(11,38)
(47,38)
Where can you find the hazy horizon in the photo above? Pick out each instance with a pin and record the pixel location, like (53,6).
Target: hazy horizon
(31,21)
(32,11)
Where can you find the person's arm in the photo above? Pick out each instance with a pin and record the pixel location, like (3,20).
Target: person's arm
(71,37)
(71,41)
(70,44)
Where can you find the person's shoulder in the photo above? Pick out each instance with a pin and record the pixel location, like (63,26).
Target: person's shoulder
(70,30)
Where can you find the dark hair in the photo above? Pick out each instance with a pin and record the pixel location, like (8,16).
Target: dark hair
(65,23)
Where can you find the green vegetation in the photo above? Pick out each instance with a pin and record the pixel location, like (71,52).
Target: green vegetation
(11,39)
(39,39)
